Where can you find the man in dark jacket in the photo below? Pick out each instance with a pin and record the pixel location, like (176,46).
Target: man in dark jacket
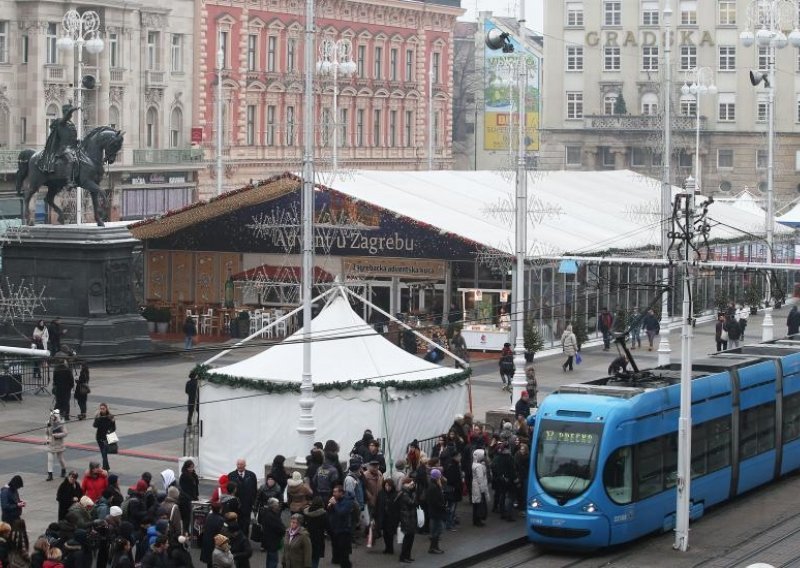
(272,529)
(248,489)
(605,323)
(63,383)
(793,321)
(437,509)
(213,526)
(340,510)
(192,397)
(523,406)
(504,478)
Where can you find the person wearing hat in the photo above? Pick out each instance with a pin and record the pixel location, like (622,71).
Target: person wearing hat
(523,406)
(372,479)
(158,555)
(298,493)
(80,513)
(407,513)
(479,489)
(374,453)
(239,543)
(437,510)
(215,523)
(221,488)
(296,544)
(272,528)
(61,145)
(69,492)
(55,432)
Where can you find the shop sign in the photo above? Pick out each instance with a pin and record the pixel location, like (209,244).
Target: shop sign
(368,267)
(197,136)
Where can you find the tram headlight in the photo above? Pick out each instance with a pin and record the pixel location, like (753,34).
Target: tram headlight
(590,508)
(534,503)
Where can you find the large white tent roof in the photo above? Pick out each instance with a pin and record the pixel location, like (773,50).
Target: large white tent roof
(791,218)
(344,348)
(599,210)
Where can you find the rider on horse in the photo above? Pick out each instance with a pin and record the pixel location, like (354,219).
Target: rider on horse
(62,142)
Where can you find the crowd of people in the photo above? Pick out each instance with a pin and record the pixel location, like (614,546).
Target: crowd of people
(340,501)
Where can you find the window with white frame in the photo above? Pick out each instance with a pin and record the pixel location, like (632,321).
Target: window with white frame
(574,14)
(726,12)
(114,61)
(437,122)
(52,38)
(343,122)
(612,13)
(611,58)
(4,41)
(269,135)
(151,128)
(409,64)
(688,105)
(392,128)
(609,102)
(727,107)
(685,158)
(376,127)
(724,158)
(573,155)
(763,58)
(393,64)
(153,40)
(177,53)
(688,57)
(761,159)
(272,48)
(650,12)
(290,123)
(649,58)
(727,58)
(650,104)
(250,129)
(176,128)
(688,9)
(252,48)
(574,58)
(361,61)
(360,127)
(408,127)
(640,157)
(223,44)
(291,54)
(23,129)
(437,61)
(608,157)
(378,66)
(797,160)
(325,131)
(574,105)
(25,48)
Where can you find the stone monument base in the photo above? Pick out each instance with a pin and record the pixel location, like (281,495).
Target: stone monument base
(86,274)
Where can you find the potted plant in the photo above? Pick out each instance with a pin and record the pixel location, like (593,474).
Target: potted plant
(532,339)
(752,297)
(149,313)
(163,317)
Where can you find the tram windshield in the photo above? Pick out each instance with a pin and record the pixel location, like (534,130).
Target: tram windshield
(566,457)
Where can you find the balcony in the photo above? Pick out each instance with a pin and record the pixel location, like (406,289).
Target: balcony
(117,76)
(638,122)
(155,79)
(55,73)
(166,156)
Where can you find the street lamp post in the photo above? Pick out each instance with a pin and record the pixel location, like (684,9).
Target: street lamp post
(80,30)
(220,67)
(770,17)
(664,350)
(336,56)
(702,83)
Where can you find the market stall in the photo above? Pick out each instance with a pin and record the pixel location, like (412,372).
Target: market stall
(487,322)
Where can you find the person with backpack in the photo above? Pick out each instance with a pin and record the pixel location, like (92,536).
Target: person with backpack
(324,480)
(605,323)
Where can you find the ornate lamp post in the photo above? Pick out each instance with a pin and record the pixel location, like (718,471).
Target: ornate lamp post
(336,57)
(80,30)
(702,83)
(770,17)
(664,349)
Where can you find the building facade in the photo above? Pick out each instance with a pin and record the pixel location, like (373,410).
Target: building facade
(143,85)
(485,96)
(603,99)
(384,111)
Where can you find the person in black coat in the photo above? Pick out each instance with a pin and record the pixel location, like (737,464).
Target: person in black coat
(340,520)
(272,529)
(316,522)
(192,397)
(523,406)
(69,493)
(213,526)
(240,545)
(247,490)
(504,478)
(189,484)
(63,383)
(454,488)
(406,508)
(387,515)
(793,321)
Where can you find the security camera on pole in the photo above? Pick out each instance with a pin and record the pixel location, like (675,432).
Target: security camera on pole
(81,30)
(770,16)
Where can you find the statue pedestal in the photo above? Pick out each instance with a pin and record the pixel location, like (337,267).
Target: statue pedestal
(87,275)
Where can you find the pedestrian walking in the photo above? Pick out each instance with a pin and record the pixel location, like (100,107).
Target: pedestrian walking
(605,323)
(387,516)
(569,344)
(506,364)
(189,485)
(104,424)
(63,383)
(82,390)
(651,326)
(189,332)
(437,510)
(720,333)
(55,433)
(95,481)
(340,521)
(635,328)
(459,347)
(793,321)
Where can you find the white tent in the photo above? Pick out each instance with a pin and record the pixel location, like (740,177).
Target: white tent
(791,218)
(396,399)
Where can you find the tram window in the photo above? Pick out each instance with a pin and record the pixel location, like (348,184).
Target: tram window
(699,449)
(791,417)
(618,476)
(671,461)
(756,430)
(766,427)
(719,443)
(651,470)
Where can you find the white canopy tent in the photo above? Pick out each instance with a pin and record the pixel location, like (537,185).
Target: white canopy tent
(396,394)
(791,218)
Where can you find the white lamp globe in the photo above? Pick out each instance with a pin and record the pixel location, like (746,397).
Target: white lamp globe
(693,88)
(747,38)
(712,90)
(763,37)
(94,45)
(702,89)
(65,43)
(780,40)
(685,89)
(349,67)
(794,37)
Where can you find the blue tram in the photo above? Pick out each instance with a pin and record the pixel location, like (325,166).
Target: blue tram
(604,468)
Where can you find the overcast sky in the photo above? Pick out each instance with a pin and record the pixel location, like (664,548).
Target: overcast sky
(533,10)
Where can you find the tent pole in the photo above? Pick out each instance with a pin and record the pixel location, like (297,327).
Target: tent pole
(409,328)
(384,402)
(263,329)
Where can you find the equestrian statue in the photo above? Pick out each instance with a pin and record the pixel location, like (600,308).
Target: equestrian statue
(67,162)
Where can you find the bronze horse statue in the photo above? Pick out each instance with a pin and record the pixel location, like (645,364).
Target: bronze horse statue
(101,145)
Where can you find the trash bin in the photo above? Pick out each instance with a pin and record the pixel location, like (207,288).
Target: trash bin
(200,511)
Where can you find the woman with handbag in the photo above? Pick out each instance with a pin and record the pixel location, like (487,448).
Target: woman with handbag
(104,425)
(82,390)
(480,488)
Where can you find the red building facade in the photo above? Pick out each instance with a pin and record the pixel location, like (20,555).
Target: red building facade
(384,111)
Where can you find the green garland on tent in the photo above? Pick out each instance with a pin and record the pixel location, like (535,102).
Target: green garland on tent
(206,373)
